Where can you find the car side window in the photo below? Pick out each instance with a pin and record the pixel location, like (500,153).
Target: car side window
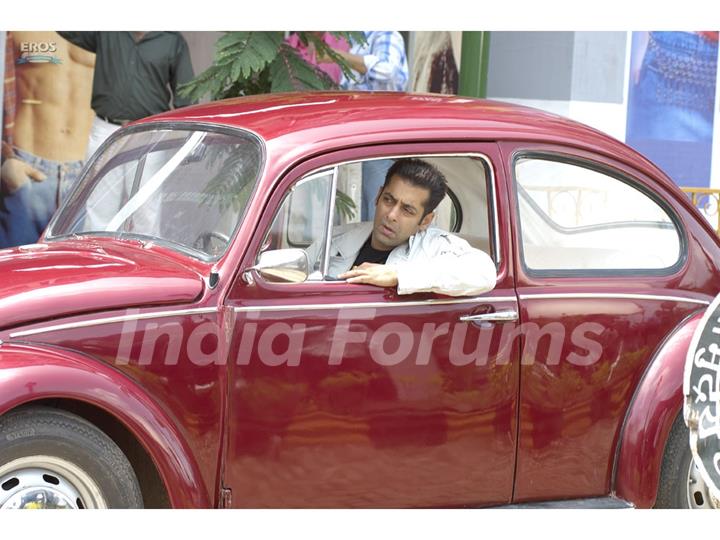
(302,221)
(467,210)
(577,219)
(311,209)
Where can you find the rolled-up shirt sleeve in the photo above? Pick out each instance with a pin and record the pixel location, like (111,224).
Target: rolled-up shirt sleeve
(386,62)
(453,268)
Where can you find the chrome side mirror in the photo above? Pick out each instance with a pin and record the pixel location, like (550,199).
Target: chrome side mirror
(281,266)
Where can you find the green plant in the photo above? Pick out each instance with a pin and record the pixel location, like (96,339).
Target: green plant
(249,63)
(344,206)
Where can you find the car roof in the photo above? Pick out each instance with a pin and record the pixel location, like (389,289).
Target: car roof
(321,121)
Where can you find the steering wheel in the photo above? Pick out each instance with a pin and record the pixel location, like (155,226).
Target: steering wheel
(212,242)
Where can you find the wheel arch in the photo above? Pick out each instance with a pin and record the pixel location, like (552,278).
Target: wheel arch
(655,406)
(154,490)
(38,375)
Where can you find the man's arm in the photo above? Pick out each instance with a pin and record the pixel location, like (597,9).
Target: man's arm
(84,40)
(181,72)
(15,173)
(448,266)
(385,62)
(454,272)
(356,61)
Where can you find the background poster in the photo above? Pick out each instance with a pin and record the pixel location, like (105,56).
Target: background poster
(671,102)
(435,62)
(2,70)
(46,121)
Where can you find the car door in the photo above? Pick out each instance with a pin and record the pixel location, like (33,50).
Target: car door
(602,280)
(346,395)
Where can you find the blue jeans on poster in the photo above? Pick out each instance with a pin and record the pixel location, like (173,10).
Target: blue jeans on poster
(38,200)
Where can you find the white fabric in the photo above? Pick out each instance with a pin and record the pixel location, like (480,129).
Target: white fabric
(103,205)
(99,132)
(430,261)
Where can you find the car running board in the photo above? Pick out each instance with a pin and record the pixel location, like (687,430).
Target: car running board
(595,502)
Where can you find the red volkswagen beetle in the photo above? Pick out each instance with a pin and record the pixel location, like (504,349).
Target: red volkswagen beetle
(169,342)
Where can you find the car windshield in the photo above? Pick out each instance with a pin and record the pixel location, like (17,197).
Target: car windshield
(186,189)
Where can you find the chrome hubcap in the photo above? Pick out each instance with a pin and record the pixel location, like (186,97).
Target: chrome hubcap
(698,493)
(47,482)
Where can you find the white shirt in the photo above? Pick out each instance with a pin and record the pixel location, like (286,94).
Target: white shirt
(385,63)
(430,261)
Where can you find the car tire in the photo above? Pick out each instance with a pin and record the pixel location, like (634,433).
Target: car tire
(50,458)
(680,483)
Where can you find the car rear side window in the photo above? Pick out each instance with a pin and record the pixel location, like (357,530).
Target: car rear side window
(575,219)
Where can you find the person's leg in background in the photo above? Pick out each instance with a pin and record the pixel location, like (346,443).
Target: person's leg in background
(99,132)
(101,207)
(373,178)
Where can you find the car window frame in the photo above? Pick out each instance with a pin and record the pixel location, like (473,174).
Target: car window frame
(491,191)
(616,174)
(329,215)
(173,125)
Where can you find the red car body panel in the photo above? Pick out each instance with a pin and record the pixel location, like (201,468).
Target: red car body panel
(571,415)
(404,434)
(655,406)
(31,373)
(42,281)
(154,354)
(282,437)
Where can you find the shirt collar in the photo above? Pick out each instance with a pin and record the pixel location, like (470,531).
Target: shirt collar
(415,238)
(148,36)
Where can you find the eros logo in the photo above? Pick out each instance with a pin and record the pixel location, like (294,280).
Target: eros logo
(38,52)
(42,47)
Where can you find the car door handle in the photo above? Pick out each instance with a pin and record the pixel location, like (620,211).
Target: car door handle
(500,316)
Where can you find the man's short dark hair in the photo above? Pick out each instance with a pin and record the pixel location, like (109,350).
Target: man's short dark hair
(422,174)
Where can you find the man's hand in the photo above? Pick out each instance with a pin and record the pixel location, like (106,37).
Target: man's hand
(16,173)
(372,274)
(356,61)
(321,57)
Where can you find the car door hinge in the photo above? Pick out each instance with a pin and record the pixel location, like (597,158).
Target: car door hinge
(225,498)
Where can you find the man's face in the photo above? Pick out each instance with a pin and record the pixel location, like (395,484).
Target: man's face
(399,213)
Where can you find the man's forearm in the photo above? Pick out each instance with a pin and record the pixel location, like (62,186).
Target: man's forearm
(469,274)
(356,61)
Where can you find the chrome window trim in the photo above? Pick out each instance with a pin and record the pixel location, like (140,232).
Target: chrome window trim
(330,218)
(111,320)
(619,296)
(365,305)
(359,305)
(319,174)
(609,171)
(170,125)
(493,191)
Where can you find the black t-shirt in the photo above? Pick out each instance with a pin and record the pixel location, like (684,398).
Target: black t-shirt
(370,254)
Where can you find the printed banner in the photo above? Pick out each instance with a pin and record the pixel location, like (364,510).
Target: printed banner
(671,102)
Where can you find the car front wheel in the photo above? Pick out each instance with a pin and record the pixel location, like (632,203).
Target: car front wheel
(50,458)
(681,485)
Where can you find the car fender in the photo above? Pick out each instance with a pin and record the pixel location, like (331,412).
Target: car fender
(32,372)
(657,401)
